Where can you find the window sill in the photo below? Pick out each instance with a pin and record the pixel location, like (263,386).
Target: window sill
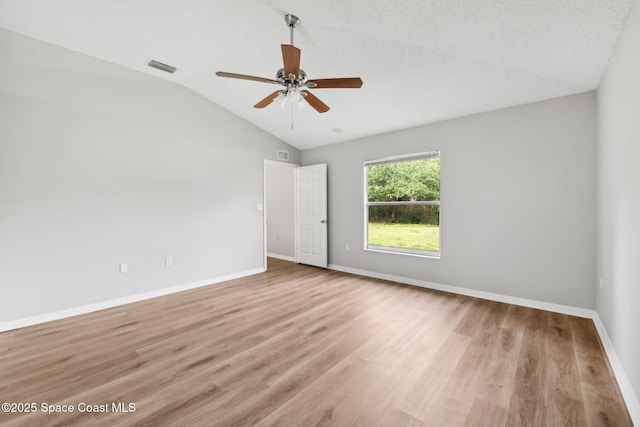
(406,252)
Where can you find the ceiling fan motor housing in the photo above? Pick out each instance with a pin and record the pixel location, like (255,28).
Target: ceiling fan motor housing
(301,80)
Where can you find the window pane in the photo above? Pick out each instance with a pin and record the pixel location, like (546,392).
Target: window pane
(405,227)
(409,181)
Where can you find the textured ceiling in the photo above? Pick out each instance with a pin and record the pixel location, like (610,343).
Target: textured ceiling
(421,60)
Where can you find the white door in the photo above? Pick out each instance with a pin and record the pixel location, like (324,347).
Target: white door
(311,215)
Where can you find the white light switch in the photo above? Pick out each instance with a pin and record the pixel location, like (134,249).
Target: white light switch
(168,261)
(124,268)
(260,207)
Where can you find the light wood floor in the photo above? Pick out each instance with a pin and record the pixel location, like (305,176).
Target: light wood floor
(301,346)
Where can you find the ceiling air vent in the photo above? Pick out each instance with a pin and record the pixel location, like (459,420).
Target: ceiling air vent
(283,155)
(160,66)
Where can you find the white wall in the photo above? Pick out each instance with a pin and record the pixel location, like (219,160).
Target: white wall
(518,201)
(619,198)
(101,165)
(280,209)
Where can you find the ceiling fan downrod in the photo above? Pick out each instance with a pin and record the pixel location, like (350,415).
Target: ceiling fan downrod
(292,22)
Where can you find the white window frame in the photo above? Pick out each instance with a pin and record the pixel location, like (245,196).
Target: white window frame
(367,204)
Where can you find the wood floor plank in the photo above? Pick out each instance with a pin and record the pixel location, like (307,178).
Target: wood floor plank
(319,398)
(486,414)
(299,345)
(564,398)
(463,383)
(528,405)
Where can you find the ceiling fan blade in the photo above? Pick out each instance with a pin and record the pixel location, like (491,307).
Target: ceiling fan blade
(245,77)
(291,58)
(344,83)
(318,105)
(268,100)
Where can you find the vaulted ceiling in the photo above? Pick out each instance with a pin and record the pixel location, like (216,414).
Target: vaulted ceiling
(421,61)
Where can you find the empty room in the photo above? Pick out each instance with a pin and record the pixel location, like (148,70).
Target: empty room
(298,213)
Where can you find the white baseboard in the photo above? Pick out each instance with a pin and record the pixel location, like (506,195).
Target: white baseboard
(74,311)
(541,305)
(630,398)
(282,257)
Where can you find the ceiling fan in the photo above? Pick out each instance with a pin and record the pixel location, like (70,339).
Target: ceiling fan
(294,80)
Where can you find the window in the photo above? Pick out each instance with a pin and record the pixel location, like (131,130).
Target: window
(402,204)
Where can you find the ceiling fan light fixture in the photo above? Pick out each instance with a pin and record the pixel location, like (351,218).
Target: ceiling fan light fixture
(293,95)
(302,103)
(282,99)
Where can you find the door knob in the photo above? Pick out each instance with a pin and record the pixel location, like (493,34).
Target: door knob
(324,221)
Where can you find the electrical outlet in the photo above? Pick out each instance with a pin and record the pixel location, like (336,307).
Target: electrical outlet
(275,238)
(347,247)
(124,268)
(168,261)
